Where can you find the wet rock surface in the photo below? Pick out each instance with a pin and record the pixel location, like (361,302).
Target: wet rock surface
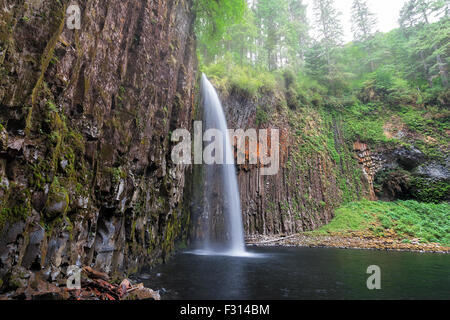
(85,122)
(94,285)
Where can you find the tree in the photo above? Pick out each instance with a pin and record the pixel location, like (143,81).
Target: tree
(272,15)
(441,8)
(329,28)
(241,38)
(432,43)
(297,37)
(213,19)
(415,15)
(363,26)
(363,21)
(316,62)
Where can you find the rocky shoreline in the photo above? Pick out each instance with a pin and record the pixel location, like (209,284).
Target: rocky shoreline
(352,240)
(95,285)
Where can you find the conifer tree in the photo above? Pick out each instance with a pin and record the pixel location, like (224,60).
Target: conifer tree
(329,29)
(415,15)
(297,36)
(363,21)
(363,26)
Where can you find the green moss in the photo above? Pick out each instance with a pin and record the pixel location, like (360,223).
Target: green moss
(87,85)
(76,140)
(52,106)
(57,194)
(365,123)
(15,206)
(414,186)
(69,227)
(431,126)
(261,116)
(408,219)
(55,138)
(117,174)
(46,57)
(133,230)
(14,214)
(39,177)
(121,93)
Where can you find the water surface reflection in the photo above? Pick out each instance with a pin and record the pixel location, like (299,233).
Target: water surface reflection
(302,273)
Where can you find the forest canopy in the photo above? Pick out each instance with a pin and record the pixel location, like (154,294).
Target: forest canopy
(273,35)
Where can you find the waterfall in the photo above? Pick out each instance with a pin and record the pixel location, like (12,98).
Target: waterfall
(214,118)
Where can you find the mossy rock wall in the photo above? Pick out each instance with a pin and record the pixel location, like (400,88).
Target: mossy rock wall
(85,121)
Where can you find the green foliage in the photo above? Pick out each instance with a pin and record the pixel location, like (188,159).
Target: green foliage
(57,194)
(242,83)
(409,219)
(432,123)
(351,217)
(213,18)
(274,34)
(14,214)
(310,92)
(261,116)
(15,206)
(384,85)
(364,22)
(428,41)
(51,106)
(430,191)
(364,122)
(245,81)
(409,186)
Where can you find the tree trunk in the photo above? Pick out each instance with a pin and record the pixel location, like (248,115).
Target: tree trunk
(442,71)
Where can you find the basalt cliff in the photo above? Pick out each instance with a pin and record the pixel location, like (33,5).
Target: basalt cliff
(84,136)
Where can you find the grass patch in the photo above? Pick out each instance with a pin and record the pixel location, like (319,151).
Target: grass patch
(428,222)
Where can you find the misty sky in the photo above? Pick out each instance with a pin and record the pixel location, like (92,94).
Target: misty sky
(387,12)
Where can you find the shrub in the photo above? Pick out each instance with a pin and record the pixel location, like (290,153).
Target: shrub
(384,86)
(245,81)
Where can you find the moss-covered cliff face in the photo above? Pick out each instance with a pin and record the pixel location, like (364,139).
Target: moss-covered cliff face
(318,168)
(324,164)
(85,122)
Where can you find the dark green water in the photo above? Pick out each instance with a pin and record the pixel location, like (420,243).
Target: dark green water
(302,273)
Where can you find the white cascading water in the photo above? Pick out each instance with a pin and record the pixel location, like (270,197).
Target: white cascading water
(214,117)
